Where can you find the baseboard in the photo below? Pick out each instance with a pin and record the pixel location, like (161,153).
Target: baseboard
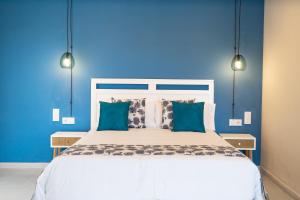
(20,165)
(281,184)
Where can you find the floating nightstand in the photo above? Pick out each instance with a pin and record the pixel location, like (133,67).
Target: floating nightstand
(242,141)
(64,140)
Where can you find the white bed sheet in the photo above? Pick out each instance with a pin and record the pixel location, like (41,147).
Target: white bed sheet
(150,177)
(152,136)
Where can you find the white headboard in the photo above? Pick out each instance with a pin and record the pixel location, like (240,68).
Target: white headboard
(152,89)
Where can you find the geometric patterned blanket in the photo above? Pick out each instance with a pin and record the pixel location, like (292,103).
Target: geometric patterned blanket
(144,150)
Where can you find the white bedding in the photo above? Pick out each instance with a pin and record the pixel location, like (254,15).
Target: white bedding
(149,177)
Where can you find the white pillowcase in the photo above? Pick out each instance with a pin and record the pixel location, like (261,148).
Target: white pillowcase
(150,113)
(158,114)
(209,115)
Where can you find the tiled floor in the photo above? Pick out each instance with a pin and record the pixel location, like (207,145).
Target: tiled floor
(19,184)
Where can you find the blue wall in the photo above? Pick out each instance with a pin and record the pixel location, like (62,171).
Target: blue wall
(185,39)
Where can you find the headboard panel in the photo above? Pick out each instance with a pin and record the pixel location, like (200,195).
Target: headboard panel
(151,89)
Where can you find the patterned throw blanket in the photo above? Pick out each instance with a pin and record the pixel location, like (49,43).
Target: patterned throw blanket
(145,150)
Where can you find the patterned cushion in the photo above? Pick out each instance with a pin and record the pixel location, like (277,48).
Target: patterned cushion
(167,112)
(136,116)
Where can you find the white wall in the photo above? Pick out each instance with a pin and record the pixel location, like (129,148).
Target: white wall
(281,92)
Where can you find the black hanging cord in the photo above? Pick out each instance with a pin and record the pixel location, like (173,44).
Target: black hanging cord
(233,96)
(71,49)
(68,41)
(239,21)
(71,24)
(235,26)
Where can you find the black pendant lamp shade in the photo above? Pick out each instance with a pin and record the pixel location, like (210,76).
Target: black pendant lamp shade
(67,60)
(238,63)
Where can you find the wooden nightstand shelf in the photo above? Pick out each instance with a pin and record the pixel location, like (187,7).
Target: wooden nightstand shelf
(64,140)
(246,142)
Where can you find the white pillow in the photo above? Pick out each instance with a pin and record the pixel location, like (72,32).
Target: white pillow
(209,115)
(150,113)
(158,114)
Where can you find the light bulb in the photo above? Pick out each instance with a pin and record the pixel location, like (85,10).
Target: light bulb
(67,62)
(238,64)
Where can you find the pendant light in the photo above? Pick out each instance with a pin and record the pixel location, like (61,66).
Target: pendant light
(67,60)
(238,62)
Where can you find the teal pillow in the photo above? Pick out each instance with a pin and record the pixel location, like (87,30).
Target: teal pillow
(113,116)
(188,117)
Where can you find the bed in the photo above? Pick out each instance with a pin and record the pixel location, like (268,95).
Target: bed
(150,163)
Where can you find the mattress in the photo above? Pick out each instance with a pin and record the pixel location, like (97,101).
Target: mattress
(217,171)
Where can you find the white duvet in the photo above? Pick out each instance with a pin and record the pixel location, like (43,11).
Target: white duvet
(99,177)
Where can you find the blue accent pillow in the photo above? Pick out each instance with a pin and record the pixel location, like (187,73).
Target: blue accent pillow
(188,117)
(113,116)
